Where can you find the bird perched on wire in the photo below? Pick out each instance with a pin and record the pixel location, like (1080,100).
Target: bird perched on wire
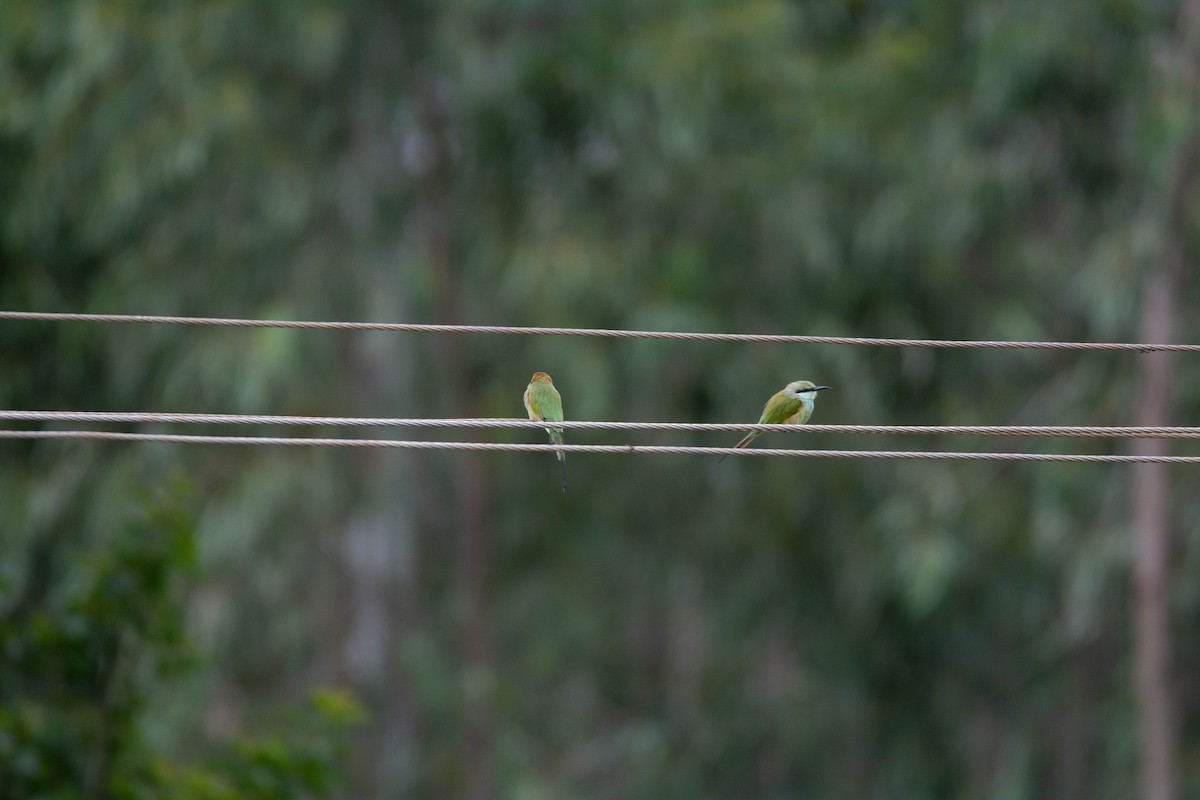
(791,405)
(544,404)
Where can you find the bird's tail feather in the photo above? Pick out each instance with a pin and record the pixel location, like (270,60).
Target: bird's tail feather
(749,437)
(556,437)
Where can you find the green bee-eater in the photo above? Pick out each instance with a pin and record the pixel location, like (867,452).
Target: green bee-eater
(791,405)
(544,404)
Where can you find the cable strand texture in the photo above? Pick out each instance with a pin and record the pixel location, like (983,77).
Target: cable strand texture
(411,327)
(1061,431)
(280,441)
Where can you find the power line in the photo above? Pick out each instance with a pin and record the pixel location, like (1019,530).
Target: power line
(272,441)
(46,316)
(1062,431)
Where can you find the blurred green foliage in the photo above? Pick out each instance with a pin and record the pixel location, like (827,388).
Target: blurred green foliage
(671,628)
(90,637)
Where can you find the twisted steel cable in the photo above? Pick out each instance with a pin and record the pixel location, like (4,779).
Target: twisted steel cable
(412,327)
(1061,431)
(279,441)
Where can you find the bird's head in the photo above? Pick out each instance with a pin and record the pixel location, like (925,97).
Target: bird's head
(804,389)
(541,376)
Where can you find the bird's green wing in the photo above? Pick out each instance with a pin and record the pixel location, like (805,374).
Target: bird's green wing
(546,402)
(778,409)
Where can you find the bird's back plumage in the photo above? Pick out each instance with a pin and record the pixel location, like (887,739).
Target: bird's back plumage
(544,404)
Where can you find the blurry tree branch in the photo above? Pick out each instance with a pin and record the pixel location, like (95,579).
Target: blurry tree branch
(472,488)
(1156,385)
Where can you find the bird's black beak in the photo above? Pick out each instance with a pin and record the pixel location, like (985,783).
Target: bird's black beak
(819,388)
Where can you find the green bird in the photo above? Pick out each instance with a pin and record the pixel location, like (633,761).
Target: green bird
(791,405)
(544,404)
